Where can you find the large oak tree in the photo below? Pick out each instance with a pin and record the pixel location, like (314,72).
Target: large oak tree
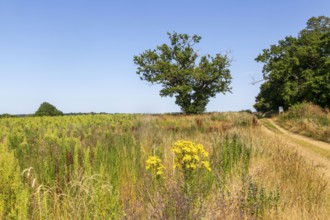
(297,69)
(183,74)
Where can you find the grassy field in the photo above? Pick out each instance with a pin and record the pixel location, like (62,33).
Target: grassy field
(210,166)
(307,119)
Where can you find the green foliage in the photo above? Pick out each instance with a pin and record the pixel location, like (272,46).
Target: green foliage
(175,67)
(297,68)
(47,109)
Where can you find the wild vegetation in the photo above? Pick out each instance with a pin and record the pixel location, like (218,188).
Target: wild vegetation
(307,119)
(212,166)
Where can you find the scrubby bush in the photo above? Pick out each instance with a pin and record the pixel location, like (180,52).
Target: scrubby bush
(307,119)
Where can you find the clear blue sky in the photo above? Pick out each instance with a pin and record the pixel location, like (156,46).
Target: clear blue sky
(78,54)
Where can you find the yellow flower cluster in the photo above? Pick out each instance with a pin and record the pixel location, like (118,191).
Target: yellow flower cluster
(154,164)
(190,156)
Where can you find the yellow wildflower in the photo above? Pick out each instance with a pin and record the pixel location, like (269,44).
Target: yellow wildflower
(193,166)
(206,154)
(190,156)
(186,157)
(154,164)
(196,157)
(206,165)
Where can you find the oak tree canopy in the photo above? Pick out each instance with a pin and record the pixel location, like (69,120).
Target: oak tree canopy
(190,78)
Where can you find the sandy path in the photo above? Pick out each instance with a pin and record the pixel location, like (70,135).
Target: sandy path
(320,144)
(316,151)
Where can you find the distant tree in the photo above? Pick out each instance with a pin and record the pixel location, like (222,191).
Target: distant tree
(175,67)
(47,109)
(297,69)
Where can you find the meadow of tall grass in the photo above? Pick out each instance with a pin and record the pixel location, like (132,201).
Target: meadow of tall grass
(307,119)
(102,167)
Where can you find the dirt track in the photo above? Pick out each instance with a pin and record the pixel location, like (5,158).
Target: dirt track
(317,152)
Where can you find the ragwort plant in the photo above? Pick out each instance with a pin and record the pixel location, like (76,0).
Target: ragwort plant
(155,191)
(193,177)
(155,166)
(191,159)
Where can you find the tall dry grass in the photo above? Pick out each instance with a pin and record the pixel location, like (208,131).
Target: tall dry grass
(309,120)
